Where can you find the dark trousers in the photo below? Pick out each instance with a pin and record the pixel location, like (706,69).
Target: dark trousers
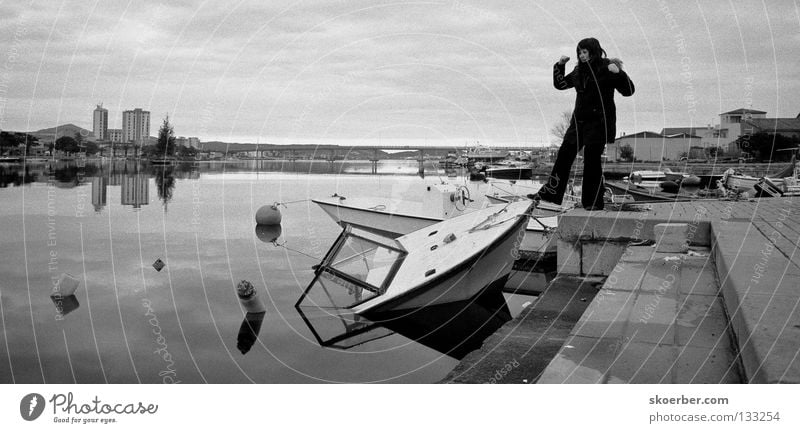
(588,135)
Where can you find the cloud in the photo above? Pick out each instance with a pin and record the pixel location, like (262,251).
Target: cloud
(291,70)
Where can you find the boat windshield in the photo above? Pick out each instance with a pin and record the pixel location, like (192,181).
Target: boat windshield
(366,259)
(359,266)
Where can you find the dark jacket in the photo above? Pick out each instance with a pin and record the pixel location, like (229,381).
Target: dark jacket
(595,93)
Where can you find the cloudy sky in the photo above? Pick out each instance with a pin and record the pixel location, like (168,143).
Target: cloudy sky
(392,72)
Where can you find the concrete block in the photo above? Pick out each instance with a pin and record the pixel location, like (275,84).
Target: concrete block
(644,363)
(607,315)
(701,322)
(599,258)
(671,237)
(706,365)
(626,276)
(581,360)
(652,319)
(641,254)
(699,278)
(663,276)
(768,332)
(568,257)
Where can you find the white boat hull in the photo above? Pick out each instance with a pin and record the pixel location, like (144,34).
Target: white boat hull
(735,181)
(538,237)
(381,222)
(461,284)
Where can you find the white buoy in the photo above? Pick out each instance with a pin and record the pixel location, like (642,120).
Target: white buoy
(268,215)
(269,233)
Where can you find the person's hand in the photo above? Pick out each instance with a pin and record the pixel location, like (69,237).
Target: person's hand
(613,68)
(563,60)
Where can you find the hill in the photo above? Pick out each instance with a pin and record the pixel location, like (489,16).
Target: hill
(54,133)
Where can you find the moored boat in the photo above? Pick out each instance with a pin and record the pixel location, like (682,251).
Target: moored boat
(640,193)
(393,218)
(510,171)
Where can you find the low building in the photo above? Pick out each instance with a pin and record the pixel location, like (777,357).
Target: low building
(652,146)
(114,135)
(788,127)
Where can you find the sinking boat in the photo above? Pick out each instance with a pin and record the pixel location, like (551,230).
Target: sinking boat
(453,329)
(450,261)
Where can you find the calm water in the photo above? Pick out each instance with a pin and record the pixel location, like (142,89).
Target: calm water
(107,224)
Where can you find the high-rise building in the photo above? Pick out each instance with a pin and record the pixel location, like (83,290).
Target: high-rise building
(100,123)
(135,126)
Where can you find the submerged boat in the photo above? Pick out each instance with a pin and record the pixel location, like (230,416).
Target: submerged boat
(450,261)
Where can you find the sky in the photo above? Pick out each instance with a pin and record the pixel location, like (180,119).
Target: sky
(355,72)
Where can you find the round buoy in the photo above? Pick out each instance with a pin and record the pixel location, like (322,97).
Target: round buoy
(268,233)
(670,187)
(268,215)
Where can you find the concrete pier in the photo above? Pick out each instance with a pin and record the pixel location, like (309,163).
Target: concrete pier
(726,309)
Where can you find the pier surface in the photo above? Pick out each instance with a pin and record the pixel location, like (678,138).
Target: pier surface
(727,310)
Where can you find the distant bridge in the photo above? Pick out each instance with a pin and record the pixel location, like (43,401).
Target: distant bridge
(333,151)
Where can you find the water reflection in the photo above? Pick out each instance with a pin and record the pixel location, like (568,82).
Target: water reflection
(268,233)
(64,304)
(248,331)
(454,329)
(165,183)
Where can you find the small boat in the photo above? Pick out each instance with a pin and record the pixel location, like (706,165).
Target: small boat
(640,193)
(450,261)
(484,153)
(510,171)
(163,161)
(395,218)
(640,176)
(735,180)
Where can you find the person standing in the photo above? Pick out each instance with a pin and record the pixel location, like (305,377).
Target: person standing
(593,122)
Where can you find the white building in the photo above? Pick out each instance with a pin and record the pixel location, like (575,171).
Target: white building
(114,135)
(651,146)
(730,129)
(135,126)
(100,123)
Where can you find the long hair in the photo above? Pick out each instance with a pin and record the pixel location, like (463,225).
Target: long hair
(591,45)
(596,53)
